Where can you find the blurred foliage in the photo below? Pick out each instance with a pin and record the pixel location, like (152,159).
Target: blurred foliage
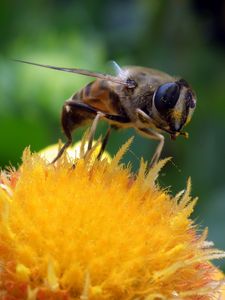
(181,37)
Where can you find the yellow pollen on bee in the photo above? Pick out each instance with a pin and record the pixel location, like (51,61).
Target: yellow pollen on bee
(177,115)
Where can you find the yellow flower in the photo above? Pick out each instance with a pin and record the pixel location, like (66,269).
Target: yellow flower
(75,151)
(91,230)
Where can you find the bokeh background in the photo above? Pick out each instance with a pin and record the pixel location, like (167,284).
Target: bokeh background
(181,37)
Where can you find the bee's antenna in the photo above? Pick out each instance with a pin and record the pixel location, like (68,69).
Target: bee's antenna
(122,74)
(81,71)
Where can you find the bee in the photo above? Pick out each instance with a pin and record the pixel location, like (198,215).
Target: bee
(148,100)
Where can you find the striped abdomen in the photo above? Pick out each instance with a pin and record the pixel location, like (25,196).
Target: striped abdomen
(100,95)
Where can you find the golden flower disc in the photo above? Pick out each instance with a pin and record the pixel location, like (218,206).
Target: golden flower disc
(91,230)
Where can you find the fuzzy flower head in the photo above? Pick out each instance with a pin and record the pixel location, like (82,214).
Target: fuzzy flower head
(89,229)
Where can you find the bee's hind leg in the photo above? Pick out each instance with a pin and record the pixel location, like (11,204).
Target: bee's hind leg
(155,136)
(73,116)
(61,151)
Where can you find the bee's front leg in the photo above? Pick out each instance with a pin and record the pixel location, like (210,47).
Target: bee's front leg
(155,136)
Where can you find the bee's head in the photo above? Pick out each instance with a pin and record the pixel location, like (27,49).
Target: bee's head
(174,104)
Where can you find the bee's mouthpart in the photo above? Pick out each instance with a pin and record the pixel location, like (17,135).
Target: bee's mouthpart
(174,135)
(185,134)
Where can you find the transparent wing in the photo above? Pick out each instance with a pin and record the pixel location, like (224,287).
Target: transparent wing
(117,79)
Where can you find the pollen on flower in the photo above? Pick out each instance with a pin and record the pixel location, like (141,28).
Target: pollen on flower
(89,229)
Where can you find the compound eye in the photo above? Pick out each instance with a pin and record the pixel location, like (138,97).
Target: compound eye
(166,96)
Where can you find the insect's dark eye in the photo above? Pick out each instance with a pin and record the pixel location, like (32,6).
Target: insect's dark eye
(189,100)
(166,96)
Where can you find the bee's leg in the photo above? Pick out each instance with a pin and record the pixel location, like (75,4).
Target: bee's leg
(66,121)
(155,136)
(158,150)
(73,116)
(104,142)
(92,131)
(121,119)
(99,115)
(61,151)
(76,114)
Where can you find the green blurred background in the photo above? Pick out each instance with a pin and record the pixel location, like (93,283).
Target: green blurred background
(181,37)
